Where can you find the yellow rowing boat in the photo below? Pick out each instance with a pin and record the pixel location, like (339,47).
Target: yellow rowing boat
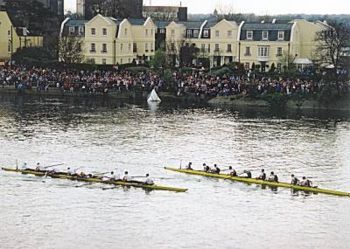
(62,175)
(260,182)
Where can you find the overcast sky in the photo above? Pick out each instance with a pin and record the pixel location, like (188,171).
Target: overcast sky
(260,7)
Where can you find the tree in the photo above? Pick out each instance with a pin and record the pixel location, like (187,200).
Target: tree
(159,60)
(331,43)
(188,54)
(70,49)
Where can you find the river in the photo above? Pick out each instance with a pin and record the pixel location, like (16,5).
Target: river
(51,213)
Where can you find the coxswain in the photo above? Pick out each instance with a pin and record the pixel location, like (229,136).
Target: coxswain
(149,180)
(294,181)
(206,168)
(248,174)
(273,177)
(305,182)
(232,171)
(262,176)
(189,166)
(215,170)
(126,177)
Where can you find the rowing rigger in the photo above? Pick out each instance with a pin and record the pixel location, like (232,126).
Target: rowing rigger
(96,179)
(259,182)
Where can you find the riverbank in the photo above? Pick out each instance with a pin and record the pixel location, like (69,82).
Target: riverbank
(342,104)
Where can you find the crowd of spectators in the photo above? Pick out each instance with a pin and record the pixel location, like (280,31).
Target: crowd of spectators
(197,83)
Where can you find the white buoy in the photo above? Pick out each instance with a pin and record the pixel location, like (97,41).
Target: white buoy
(153,97)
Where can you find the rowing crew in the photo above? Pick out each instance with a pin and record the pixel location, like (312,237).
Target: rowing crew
(304,182)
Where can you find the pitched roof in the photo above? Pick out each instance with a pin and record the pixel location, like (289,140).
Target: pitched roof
(73,22)
(267,26)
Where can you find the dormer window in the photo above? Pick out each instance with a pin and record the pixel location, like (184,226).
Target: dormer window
(217,33)
(250,35)
(205,33)
(280,35)
(71,30)
(265,35)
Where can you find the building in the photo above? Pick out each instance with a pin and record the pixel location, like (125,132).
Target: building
(165,13)
(261,44)
(107,40)
(276,43)
(13,38)
(87,9)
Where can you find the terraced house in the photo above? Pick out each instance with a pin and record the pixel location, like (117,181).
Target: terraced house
(107,40)
(111,41)
(265,44)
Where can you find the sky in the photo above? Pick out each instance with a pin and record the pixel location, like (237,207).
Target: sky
(260,7)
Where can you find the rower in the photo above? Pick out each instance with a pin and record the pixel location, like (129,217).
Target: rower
(24,166)
(114,176)
(206,168)
(306,182)
(294,181)
(70,171)
(149,181)
(215,170)
(189,166)
(262,176)
(39,167)
(126,177)
(248,174)
(273,177)
(232,171)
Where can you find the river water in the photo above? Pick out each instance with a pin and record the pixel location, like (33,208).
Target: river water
(51,213)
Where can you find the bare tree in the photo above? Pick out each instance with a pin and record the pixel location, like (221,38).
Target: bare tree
(70,49)
(331,44)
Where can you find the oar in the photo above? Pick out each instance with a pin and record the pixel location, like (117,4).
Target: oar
(85,184)
(16,164)
(59,164)
(98,173)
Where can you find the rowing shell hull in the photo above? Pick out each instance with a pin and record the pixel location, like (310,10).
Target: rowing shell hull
(260,182)
(98,180)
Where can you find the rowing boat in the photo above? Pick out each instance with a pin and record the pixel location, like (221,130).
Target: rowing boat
(62,175)
(260,182)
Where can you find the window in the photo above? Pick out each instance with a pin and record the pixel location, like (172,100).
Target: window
(265,35)
(229,33)
(173,32)
(279,66)
(217,47)
(121,47)
(93,48)
(247,51)
(229,48)
(9,32)
(249,35)
(104,61)
(93,31)
(146,31)
(279,51)
(280,35)
(81,30)
(208,48)
(217,33)
(162,31)
(134,47)
(104,48)
(202,48)
(129,47)
(152,47)
(146,47)
(195,33)
(263,51)
(189,33)
(206,33)
(121,61)
(9,47)
(71,30)
(125,32)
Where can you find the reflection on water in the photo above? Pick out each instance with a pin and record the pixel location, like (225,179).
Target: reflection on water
(104,135)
